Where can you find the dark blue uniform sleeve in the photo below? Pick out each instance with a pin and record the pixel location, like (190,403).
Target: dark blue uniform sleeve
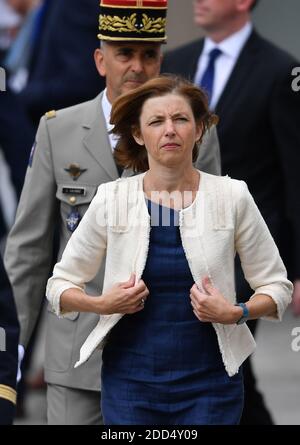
(9,338)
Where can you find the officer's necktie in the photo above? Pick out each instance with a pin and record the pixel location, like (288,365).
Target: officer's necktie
(207,80)
(120,170)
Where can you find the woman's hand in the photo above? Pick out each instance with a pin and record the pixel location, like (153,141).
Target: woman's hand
(124,298)
(212,306)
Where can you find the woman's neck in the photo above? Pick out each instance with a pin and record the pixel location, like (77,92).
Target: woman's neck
(170,180)
(172,188)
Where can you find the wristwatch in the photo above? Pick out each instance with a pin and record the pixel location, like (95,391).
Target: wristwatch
(245,315)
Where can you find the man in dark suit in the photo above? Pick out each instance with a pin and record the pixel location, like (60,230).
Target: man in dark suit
(62,72)
(249,85)
(9,337)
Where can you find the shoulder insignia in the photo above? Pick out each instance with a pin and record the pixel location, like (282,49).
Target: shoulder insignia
(50,114)
(8,393)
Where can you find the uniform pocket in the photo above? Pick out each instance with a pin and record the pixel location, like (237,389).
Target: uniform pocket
(75,195)
(59,344)
(74,202)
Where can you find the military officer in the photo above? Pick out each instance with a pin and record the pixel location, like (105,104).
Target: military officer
(72,156)
(9,336)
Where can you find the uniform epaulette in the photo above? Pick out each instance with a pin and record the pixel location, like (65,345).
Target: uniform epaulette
(50,114)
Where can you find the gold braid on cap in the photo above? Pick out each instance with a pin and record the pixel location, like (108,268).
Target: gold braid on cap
(128,24)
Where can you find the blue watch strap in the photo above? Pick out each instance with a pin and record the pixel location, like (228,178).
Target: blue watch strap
(245,313)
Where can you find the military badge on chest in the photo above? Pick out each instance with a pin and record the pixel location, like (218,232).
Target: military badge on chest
(73,219)
(75,171)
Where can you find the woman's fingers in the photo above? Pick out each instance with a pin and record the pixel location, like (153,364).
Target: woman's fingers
(130,298)
(136,298)
(201,314)
(207,285)
(130,283)
(141,286)
(142,297)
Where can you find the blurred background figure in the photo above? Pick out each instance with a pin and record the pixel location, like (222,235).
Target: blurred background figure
(248,81)
(9,25)
(18,59)
(16,139)
(51,63)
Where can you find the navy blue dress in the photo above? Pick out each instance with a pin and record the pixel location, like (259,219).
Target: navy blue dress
(162,366)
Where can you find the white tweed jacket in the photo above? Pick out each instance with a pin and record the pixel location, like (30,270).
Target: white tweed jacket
(222,220)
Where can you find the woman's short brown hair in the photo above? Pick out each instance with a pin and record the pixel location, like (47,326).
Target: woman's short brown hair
(126,111)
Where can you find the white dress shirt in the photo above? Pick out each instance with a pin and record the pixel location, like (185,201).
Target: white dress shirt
(106,107)
(231,48)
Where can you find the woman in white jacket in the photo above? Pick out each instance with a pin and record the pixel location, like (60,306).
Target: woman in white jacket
(173,337)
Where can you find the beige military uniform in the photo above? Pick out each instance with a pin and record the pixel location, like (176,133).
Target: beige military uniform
(72,158)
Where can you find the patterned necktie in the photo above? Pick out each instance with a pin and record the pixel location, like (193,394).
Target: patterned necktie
(207,80)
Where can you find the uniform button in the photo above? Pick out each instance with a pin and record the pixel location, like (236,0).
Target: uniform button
(72,200)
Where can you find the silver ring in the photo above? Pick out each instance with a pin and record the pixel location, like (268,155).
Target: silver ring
(142,301)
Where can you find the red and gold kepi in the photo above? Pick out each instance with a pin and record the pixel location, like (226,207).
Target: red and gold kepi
(133,20)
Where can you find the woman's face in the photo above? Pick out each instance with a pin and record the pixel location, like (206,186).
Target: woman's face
(168,130)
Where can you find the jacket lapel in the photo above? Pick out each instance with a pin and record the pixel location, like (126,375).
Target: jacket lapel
(205,227)
(192,63)
(238,78)
(96,140)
